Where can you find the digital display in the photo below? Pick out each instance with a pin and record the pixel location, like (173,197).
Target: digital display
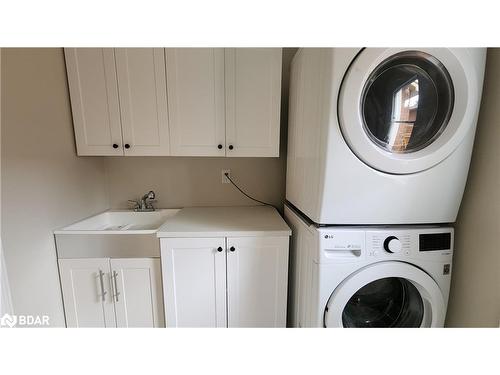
(434,241)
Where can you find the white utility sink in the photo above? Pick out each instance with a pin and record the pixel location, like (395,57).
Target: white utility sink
(120,221)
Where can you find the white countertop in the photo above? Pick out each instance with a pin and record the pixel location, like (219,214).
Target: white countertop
(244,221)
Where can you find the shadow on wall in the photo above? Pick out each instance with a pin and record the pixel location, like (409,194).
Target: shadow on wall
(39,164)
(475,288)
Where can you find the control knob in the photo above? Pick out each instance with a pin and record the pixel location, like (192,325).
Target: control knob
(392,244)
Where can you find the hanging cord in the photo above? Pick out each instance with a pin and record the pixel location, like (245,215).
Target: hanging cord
(245,194)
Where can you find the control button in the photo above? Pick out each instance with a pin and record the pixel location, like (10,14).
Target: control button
(446,269)
(392,244)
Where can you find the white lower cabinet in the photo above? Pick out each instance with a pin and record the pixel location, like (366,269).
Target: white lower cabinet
(103,292)
(225,282)
(257,277)
(194,281)
(85,286)
(138,292)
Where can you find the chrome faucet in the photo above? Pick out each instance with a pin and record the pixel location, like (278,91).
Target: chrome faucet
(145,204)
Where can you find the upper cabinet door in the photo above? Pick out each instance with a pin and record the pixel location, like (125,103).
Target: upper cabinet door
(143,101)
(194,281)
(94,100)
(137,292)
(253,101)
(195,89)
(257,269)
(86,292)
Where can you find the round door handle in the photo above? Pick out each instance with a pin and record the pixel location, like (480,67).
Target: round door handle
(232,248)
(219,147)
(219,249)
(115,145)
(127,145)
(231,147)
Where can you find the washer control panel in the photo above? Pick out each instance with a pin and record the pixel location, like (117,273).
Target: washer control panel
(344,244)
(415,242)
(380,243)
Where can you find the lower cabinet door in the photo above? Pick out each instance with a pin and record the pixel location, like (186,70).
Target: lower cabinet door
(137,292)
(85,287)
(257,269)
(194,281)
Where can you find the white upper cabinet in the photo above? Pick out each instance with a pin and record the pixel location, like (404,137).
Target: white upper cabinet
(176,101)
(195,79)
(137,292)
(143,101)
(253,100)
(194,281)
(257,281)
(94,100)
(119,101)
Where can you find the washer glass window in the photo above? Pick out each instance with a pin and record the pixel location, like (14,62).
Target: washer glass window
(407,102)
(387,302)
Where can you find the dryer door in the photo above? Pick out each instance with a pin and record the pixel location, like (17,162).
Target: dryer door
(404,111)
(386,294)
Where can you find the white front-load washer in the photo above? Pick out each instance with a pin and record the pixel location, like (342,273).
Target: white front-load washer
(394,276)
(382,135)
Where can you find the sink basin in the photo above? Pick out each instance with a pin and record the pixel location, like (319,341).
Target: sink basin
(120,221)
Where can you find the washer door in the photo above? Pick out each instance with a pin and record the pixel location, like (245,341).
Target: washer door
(386,295)
(404,111)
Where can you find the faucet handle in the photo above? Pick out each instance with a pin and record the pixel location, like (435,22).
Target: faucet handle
(135,204)
(149,203)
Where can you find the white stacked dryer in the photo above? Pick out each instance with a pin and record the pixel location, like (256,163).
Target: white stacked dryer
(379,137)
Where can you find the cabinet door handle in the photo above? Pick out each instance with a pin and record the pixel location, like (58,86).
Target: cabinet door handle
(232,248)
(219,249)
(103,292)
(115,277)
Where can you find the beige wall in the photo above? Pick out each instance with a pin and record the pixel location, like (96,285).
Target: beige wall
(183,182)
(187,182)
(475,289)
(44,184)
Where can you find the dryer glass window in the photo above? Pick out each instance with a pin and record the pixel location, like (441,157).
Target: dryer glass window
(385,303)
(407,102)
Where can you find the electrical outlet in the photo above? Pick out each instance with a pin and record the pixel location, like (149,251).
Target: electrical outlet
(224,179)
